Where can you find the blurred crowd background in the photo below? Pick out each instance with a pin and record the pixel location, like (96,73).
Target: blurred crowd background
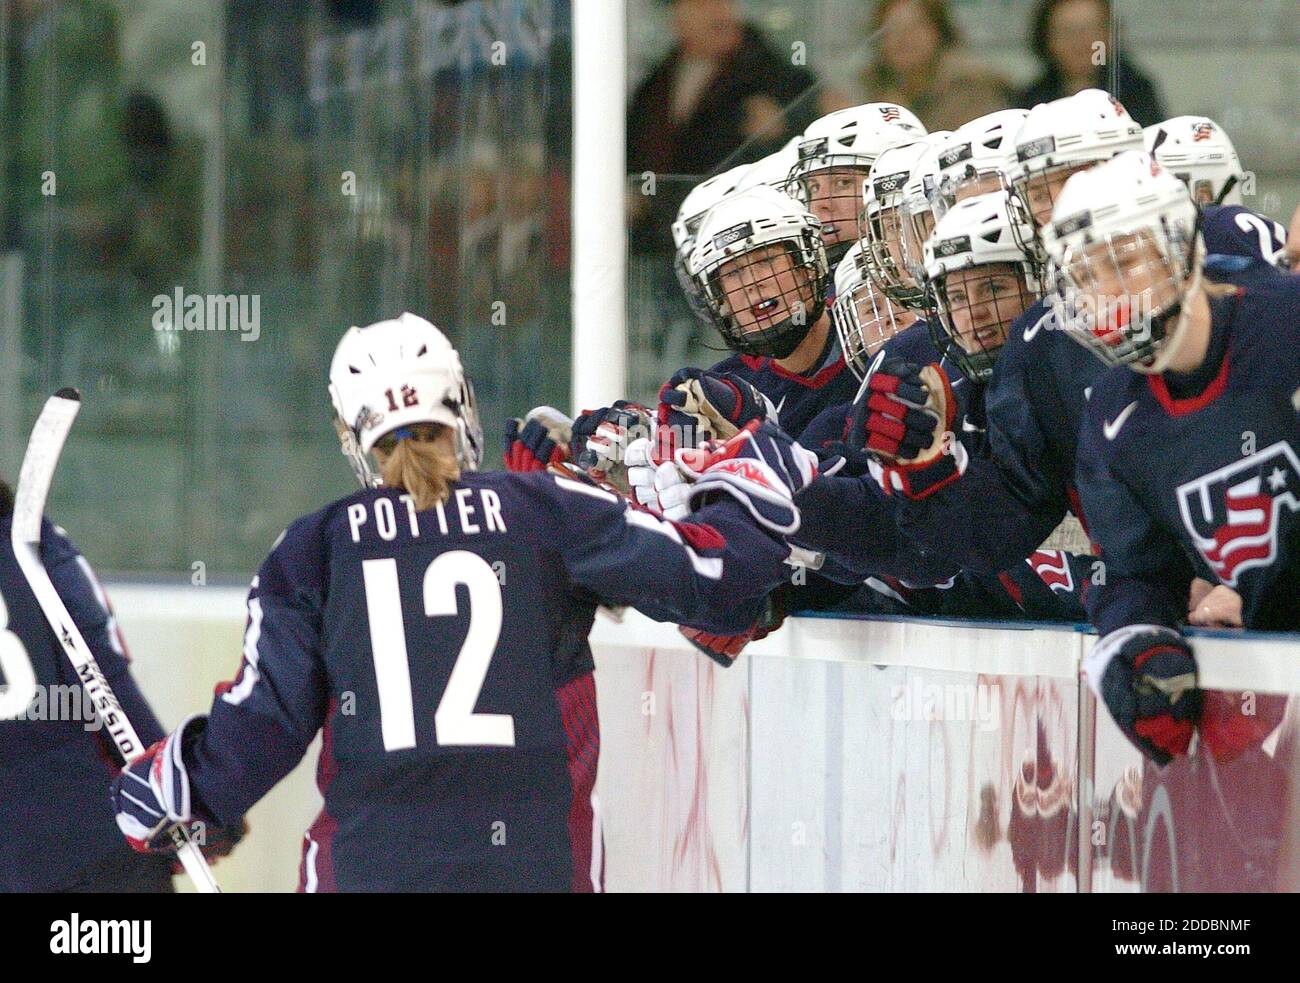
(343,160)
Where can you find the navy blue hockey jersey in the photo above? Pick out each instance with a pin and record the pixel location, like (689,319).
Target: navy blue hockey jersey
(849,518)
(1045,587)
(56,763)
(1201,473)
(798,398)
(1035,401)
(429,647)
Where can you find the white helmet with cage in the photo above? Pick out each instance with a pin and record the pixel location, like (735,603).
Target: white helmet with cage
(980,280)
(881,222)
(1061,137)
(1125,242)
(840,148)
(1200,154)
(974,159)
(701,198)
(864,318)
(761,267)
(394,374)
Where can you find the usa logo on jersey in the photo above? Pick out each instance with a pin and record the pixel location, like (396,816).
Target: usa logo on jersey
(1232,513)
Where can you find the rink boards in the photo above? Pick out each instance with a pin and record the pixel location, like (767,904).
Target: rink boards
(853,755)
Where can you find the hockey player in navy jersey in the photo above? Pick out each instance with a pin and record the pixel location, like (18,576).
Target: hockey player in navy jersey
(761,265)
(1189,451)
(56,826)
(979,281)
(423,623)
(1040,381)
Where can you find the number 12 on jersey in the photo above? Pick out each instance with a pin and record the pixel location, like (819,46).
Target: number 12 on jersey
(454,722)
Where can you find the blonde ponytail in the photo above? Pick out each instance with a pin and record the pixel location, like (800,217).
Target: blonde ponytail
(423,465)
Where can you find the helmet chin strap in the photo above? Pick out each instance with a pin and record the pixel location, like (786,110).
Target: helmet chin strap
(1177,335)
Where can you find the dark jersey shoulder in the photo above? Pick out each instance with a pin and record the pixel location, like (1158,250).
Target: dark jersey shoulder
(798,398)
(1240,241)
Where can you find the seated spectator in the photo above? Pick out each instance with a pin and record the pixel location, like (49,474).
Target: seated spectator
(921,64)
(720,87)
(1072,41)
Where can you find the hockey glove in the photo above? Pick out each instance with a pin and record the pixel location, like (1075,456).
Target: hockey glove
(538,441)
(664,487)
(902,421)
(152,793)
(600,439)
(1146,675)
(761,467)
(723,649)
(698,405)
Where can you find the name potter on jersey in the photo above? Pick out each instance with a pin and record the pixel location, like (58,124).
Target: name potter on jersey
(472,519)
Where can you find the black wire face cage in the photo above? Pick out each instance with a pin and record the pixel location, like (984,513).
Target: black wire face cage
(1119,294)
(884,259)
(766,300)
(864,320)
(833,192)
(469,429)
(971,310)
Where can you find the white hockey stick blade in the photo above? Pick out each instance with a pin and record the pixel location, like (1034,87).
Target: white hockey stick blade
(34,480)
(43,450)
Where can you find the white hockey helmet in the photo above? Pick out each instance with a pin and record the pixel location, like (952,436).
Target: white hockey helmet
(980,280)
(737,256)
(864,317)
(846,143)
(1063,136)
(1125,242)
(772,170)
(1200,154)
(880,225)
(974,159)
(701,198)
(392,374)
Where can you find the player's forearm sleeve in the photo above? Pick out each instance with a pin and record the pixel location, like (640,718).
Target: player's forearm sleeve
(978,521)
(710,573)
(261,724)
(851,521)
(1144,574)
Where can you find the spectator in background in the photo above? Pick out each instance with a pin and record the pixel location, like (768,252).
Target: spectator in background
(920,64)
(723,95)
(720,87)
(1072,41)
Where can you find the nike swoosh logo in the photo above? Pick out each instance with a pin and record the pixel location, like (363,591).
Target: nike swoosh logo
(781,405)
(1037,326)
(1111,428)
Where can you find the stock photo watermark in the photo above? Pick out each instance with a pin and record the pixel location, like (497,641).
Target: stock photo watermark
(181,311)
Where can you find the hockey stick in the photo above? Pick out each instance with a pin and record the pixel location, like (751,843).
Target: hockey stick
(34,480)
